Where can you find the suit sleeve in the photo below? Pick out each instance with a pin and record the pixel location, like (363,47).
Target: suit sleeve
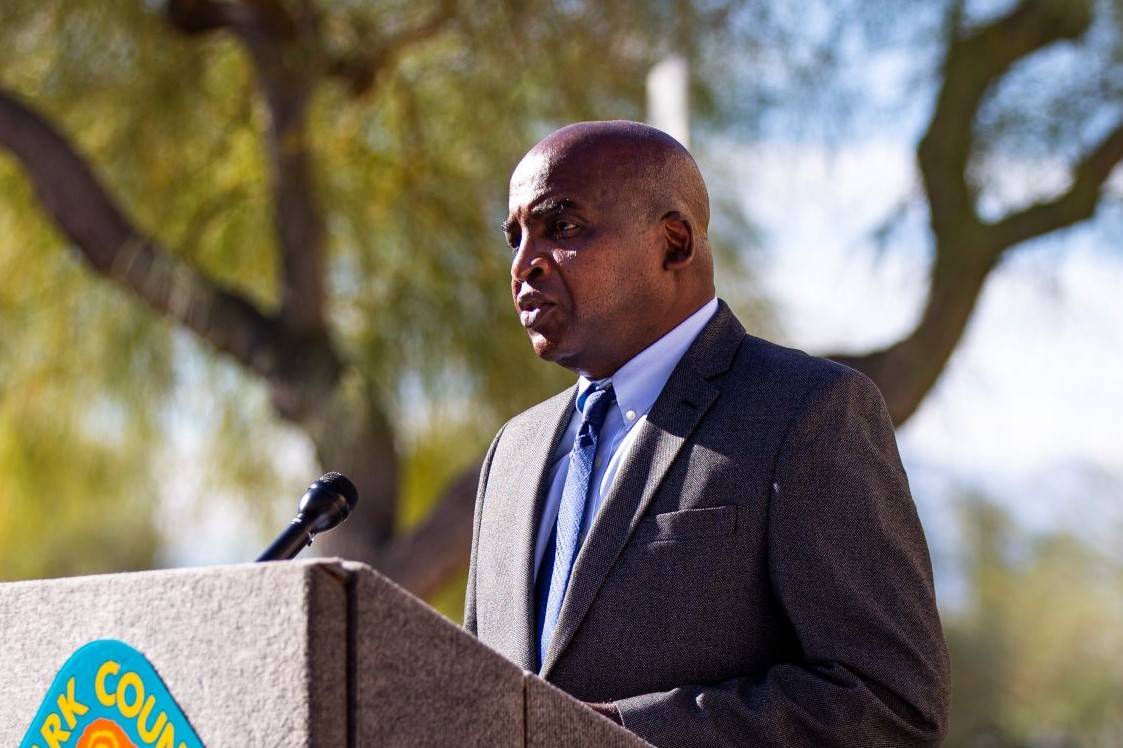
(470,591)
(850,567)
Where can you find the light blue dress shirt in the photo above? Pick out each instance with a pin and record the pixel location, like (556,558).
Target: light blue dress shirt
(637,385)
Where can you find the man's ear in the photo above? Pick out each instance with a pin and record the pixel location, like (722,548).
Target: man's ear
(678,235)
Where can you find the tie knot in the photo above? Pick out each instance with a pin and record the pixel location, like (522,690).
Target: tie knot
(595,407)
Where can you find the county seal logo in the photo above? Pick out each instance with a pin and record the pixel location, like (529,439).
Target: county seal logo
(108,695)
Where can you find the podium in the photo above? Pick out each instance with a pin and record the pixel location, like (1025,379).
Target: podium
(321,653)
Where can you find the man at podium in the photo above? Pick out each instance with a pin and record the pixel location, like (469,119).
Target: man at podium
(710,538)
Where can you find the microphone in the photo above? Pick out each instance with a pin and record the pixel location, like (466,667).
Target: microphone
(326,503)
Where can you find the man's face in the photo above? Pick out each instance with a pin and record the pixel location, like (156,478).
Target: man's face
(587,272)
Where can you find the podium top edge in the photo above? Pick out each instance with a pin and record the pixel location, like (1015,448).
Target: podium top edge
(335,567)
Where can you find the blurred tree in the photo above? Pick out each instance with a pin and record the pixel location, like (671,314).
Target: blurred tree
(1037,645)
(1038,80)
(311,191)
(351,265)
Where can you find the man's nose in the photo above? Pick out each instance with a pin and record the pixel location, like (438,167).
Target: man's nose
(530,260)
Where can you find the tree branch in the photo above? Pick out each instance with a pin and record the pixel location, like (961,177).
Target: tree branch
(265,17)
(360,70)
(80,206)
(307,380)
(280,46)
(973,63)
(1077,204)
(203,16)
(967,249)
(424,559)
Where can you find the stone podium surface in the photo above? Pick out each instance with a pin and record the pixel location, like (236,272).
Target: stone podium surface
(318,653)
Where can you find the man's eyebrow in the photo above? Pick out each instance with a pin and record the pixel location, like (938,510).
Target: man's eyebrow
(551,206)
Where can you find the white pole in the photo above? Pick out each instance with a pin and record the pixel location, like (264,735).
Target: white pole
(668,97)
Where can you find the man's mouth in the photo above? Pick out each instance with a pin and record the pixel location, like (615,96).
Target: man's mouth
(534,308)
(533,316)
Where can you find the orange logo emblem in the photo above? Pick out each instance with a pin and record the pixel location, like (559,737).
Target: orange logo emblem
(104,734)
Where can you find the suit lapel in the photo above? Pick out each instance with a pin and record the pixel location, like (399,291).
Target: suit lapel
(523,508)
(683,402)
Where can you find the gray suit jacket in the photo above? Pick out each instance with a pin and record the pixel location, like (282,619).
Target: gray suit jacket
(757,574)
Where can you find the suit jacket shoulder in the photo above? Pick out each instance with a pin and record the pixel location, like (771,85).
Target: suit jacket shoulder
(790,374)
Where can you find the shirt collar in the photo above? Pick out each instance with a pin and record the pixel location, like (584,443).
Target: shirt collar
(639,382)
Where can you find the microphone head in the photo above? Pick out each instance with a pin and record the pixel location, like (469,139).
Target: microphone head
(339,483)
(328,501)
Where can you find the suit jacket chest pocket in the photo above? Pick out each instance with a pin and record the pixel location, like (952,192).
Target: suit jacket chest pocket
(676,567)
(713,522)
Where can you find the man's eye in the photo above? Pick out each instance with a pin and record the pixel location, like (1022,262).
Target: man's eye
(564,228)
(513,240)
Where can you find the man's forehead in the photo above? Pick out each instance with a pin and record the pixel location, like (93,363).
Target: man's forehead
(544,174)
(530,177)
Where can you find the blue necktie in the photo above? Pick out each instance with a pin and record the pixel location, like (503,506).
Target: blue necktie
(561,549)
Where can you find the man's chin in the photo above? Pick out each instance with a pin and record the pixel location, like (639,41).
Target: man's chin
(545,347)
(549,350)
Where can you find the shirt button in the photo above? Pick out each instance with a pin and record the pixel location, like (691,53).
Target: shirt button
(630,415)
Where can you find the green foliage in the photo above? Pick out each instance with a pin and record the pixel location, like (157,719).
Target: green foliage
(411,178)
(87,374)
(1036,651)
(78,367)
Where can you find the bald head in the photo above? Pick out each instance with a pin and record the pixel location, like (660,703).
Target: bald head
(608,222)
(653,168)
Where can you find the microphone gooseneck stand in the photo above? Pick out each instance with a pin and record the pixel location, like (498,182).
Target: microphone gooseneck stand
(326,503)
